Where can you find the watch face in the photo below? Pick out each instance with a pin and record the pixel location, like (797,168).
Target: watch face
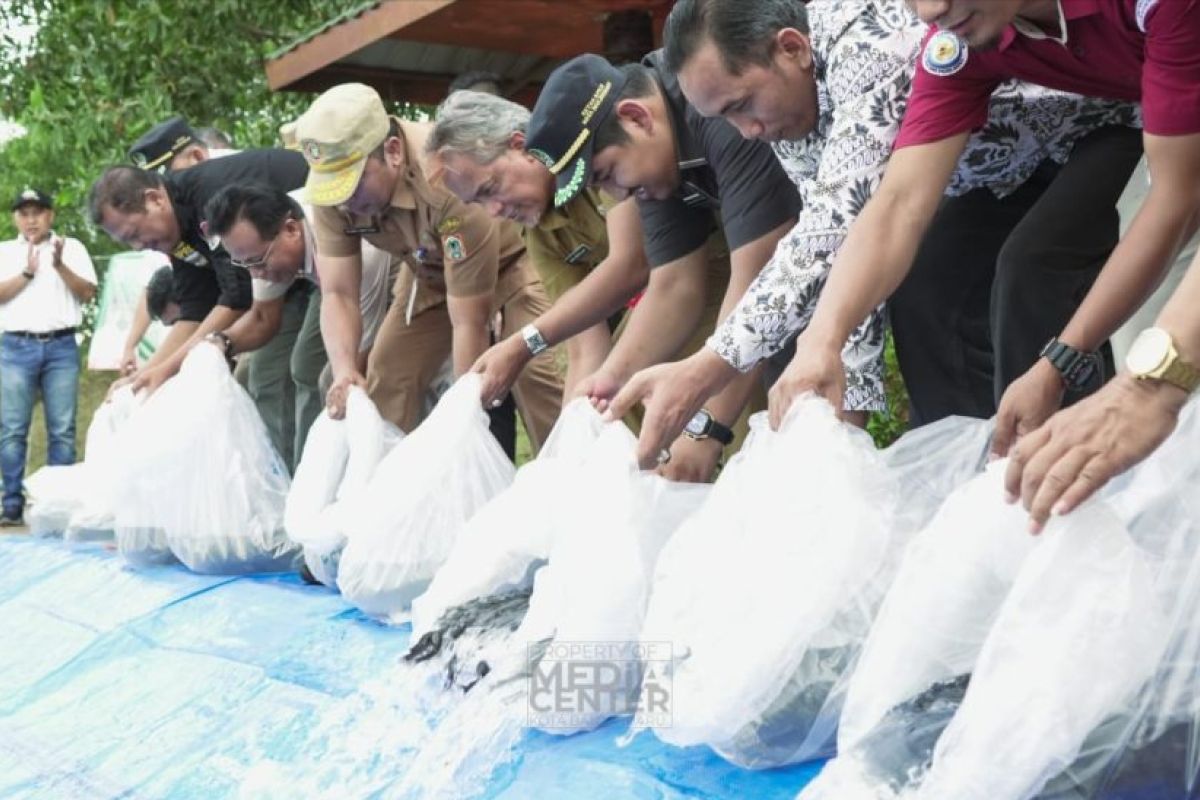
(1149,351)
(697,424)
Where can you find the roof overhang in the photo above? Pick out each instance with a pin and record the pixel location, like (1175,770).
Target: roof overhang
(411,49)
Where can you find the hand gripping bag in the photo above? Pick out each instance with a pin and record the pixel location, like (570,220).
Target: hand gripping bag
(505,543)
(600,571)
(418,501)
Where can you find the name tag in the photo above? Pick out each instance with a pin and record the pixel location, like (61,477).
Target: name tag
(578,254)
(360,230)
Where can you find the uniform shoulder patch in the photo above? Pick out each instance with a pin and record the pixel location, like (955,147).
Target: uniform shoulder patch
(449,225)
(945,54)
(455,251)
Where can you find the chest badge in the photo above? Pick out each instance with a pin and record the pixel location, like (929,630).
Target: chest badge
(945,54)
(454,248)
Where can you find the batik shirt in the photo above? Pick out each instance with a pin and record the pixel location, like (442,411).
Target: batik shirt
(865,56)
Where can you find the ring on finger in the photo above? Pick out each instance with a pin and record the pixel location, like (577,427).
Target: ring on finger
(664,457)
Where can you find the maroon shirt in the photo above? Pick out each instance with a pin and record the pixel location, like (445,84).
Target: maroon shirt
(1135,50)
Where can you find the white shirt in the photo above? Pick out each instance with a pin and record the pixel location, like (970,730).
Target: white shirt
(45,304)
(374,291)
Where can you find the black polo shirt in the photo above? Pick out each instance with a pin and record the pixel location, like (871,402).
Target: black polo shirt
(725,179)
(204,276)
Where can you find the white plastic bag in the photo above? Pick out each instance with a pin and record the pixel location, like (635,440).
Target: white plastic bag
(340,456)
(510,538)
(941,605)
(1077,635)
(76,501)
(766,593)
(415,506)
(203,478)
(600,572)
(54,495)
(95,517)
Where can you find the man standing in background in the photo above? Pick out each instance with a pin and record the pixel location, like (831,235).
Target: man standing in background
(44,280)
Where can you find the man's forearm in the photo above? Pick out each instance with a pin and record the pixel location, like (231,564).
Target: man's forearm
(593,300)
(83,290)
(1135,268)
(12,287)
(219,319)
(341,330)
(586,352)
(1180,318)
(727,405)
(176,337)
(471,340)
(141,324)
(660,325)
(252,331)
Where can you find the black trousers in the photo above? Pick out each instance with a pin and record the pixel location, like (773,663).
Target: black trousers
(996,278)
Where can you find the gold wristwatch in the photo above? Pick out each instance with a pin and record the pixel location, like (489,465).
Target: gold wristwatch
(1153,357)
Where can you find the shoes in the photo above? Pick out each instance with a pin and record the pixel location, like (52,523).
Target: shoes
(12,521)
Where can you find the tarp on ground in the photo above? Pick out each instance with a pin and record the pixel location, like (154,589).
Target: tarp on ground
(161,683)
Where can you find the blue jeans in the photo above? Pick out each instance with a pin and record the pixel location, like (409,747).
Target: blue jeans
(27,365)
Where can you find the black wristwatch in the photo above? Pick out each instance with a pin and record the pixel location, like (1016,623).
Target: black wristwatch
(703,426)
(1076,366)
(223,341)
(28,275)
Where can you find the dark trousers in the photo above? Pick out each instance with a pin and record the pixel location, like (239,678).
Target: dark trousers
(996,278)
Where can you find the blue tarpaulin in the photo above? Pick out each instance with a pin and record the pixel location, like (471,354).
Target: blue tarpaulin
(162,683)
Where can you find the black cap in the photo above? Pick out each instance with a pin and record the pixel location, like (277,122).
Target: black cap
(32,197)
(577,99)
(160,144)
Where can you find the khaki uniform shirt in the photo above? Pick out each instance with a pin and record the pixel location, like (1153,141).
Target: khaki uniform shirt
(450,248)
(571,241)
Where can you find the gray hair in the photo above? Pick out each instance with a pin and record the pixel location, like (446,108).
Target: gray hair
(477,125)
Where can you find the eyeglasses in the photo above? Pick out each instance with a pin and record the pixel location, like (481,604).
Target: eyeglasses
(256,262)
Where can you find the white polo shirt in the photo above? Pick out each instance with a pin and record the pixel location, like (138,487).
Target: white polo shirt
(374,291)
(46,304)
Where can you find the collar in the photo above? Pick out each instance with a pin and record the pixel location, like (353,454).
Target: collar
(557,218)
(1068,11)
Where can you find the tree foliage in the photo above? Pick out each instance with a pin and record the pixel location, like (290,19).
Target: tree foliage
(96,75)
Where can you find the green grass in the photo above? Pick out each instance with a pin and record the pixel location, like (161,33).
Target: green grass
(92,388)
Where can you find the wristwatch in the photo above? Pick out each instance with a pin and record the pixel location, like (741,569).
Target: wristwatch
(28,275)
(1153,357)
(703,426)
(221,340)
(1076,366)
(534,339)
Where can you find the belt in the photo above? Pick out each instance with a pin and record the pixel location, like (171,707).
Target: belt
(43,337)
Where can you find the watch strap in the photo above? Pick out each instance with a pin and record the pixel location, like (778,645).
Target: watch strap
(1077,367)
(534,340)
(1182,374)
